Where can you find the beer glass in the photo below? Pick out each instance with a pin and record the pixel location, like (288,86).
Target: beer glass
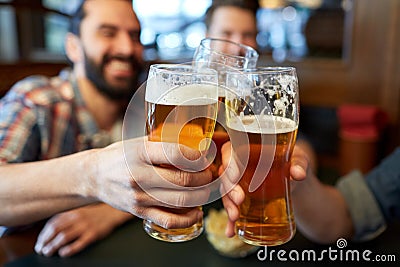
(181,107)
(262,109)
(223,55)
(226,53)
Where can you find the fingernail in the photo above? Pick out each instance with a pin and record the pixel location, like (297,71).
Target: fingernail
(38,248)
(63,252)
(300,169)
(46,250)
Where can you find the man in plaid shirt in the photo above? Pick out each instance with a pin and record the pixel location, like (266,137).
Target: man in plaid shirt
(50,129)
(44,118)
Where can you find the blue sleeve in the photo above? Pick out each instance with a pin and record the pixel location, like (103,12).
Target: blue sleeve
(365,212)
(373,199)
(384,182)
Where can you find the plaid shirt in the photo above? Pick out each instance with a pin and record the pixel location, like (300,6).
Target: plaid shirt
(43,118)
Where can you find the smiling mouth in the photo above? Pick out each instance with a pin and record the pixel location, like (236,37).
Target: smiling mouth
(117,65)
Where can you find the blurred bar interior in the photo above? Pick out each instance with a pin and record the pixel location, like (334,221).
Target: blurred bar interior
(346,53)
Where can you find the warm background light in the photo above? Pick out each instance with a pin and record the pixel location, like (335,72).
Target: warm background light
(272,4)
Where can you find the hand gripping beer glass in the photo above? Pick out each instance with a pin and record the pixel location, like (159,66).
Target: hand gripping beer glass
(262,120)
(223,55)
(181,107)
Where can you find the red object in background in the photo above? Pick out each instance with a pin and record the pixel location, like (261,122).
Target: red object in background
(360,133)
(360,130)
(361,121)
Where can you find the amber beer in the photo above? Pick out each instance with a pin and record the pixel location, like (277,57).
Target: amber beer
(266,215)
(220,136)
(186,118)
(195,133)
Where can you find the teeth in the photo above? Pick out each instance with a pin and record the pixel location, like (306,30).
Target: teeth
(120,65)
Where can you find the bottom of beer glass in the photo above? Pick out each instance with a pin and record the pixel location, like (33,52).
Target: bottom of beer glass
(261,235)
(173,235)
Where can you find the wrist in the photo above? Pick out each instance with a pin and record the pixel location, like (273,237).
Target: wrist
(88,183)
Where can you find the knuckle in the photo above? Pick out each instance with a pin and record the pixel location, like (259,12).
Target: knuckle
(53,228)
(181,178)
(181,199)
(62,237)
(139,211)
(91,236)
(169,222)
(138,199)
(185,178)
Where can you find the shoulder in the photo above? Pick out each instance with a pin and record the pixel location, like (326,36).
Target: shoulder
(40,90)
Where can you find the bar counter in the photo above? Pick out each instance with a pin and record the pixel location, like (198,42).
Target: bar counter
(129,245)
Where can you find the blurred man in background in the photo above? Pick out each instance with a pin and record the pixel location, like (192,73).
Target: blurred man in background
(236,20)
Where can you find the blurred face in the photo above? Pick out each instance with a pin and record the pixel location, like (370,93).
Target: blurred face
(234,24)
(111,47)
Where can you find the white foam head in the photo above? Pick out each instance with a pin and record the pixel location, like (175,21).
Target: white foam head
(191,94)
(262,124)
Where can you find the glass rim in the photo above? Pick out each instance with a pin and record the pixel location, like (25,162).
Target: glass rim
(253,52)
(264,70)
(175,68)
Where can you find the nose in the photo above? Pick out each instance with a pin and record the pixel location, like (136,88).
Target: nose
(233,49)
(237,38)
(125,45)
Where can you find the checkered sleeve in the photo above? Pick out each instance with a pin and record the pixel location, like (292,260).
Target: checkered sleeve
(19,141)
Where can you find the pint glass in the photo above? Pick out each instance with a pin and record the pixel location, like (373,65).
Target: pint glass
(223,55)
(262,120)
(181,107)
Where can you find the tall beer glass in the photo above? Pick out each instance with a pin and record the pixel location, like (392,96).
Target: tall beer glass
(181,107)
(262,120)
(223,55)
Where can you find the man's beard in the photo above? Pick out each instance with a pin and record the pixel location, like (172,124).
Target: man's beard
(95,73)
